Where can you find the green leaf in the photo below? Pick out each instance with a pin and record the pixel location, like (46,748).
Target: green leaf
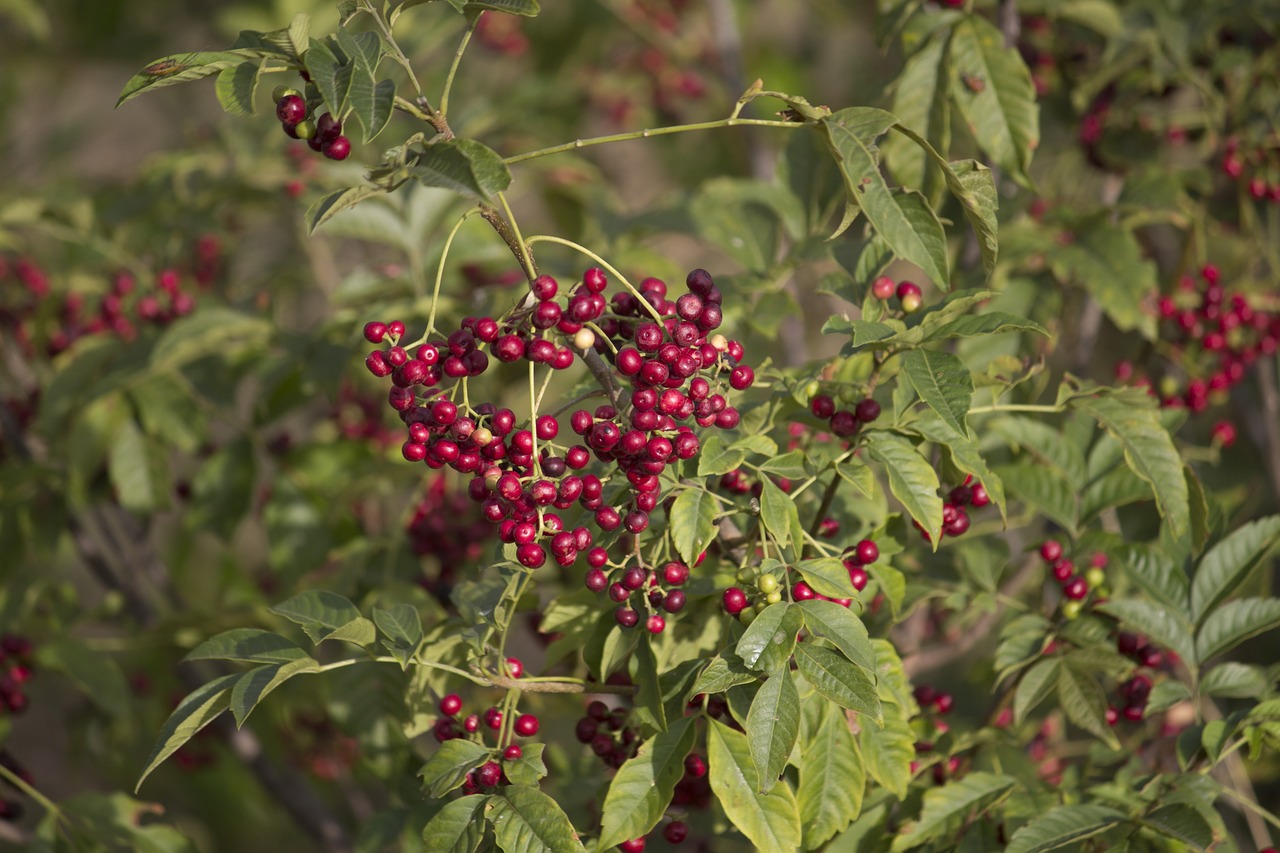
(888,752)
(912,480)
(251,645)
(715,459)
(856,473)
(725,670)
(1182,823)
(759,444)
(832,778)
(1159,622)
(236,87)
(841,628)
(943,382)
(791,465)
(1085,705)
(1107,261)
(770,821)
(180,68)
(1226,565)
(253,686)
(1232,623)
(449,766)
(1061,826)
(97,674)
(948,808)
(767,643)
(641,791)
(903,220)
(525,820)
(401,626)
(326,615)
(529,768)
(213,330)
(777,511)
(842,682)
(1233,680)
(1046,444)
(331,76)
(458,827)
(137,470)
(644,674)
(193,713)
(1037,683)
(993,90)
(693,525)
(827,576)
(773,723)
(464,166)
(336,202)
(1132,420)
(920,101)
(1155,572)
(965,454)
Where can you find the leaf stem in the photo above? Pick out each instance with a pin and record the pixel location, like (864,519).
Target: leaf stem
(648,132)
(1014,407)
(525,258)
(457,60)
(45,803)
(397,54)
(444,256)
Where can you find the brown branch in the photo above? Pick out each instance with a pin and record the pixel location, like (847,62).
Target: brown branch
(526,686)
(1010,23)
(508,235)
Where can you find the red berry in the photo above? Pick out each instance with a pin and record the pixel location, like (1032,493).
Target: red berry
(512,753)
(944,702)
(635,845)
(375,332)
(515,667)
(338,148)
(742,377)
(451,704)
(655,624)
(1051,550)
(868,552)
(866,411)
(489,775)
(1076,589)
(291,109)
(526,725)
(493,719)
(735,601)
(883,287)
(675,832)
(822,407)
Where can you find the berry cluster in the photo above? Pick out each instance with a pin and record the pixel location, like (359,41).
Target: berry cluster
(910,298)
(445,525)
(1076,586)
(955,518)
(1135,691)
(1213,336)
(678,372)
(119,311)
(844,423)
(656,77)
(768,588)
(491,773)
(323,134)
(1258,168)
(15,662)
(613,741)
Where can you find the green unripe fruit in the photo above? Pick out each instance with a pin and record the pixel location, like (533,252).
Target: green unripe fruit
(813,389)
(304,129)
(760,606)
(767,584)
(1071,609)
(279,93)
(1095,577)
(773,597)
(746,575)
(747,616)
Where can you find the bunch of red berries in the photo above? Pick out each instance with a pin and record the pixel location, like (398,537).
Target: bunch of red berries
(910,297)
(844,423)
(1257,167)
(491,773)
(118,312)
(1076,586)
(445,525)
(678,379)
(324,134)
(15,661)
(607,733)
(1214,337)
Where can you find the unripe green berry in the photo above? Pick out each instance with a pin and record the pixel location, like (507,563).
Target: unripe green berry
(304,129)
(1095,577)
(773,597)
(747,616)
(279,93)
(767,584)
(1071,609)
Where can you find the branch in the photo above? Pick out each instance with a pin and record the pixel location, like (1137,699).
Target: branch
(494,218)
(524,685)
